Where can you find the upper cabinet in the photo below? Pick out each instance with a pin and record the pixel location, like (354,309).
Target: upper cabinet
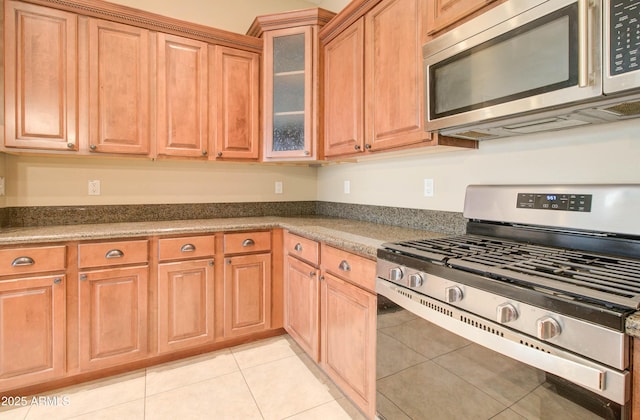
(119,79)
(182,121)
(235,103)
(444,13)
(132,83)
(291,72)
(373,80)
(41,78)
(373,85)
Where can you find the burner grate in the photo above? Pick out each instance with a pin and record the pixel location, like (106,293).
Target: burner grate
(581,276)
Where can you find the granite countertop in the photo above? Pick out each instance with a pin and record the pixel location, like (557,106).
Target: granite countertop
(360,237)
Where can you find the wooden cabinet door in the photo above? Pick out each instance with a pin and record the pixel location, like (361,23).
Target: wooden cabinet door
(348,325)
(289,114)
(113,316)
(343,92)
(185,304)
(32,330)
(41,77)
(247,294)
(301,299)
(119,74)
(443,13)
(235,96)
(182,117)
(393,75)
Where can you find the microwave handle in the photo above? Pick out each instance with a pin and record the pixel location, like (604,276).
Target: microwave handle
(583,42)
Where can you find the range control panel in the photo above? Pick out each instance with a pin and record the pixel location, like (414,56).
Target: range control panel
(565,202)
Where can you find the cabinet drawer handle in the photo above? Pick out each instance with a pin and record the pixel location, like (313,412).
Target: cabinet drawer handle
(248,242)
(22,262)
(298,247)
(188,248)
(114,253)
(344,266)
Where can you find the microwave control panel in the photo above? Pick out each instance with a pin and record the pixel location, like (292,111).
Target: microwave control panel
(624,32)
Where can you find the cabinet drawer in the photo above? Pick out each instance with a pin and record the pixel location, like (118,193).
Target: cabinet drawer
(187,247)
(244,242)
(351,267)
(32,260)
(113,253)
(303,248)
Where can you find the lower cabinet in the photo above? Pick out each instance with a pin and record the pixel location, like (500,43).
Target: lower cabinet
(302,310)
(113,316)
(32,330)
(185,304)
(247,294)
(348,337)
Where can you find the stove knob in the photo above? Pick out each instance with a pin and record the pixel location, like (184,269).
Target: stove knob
(452,294)
(507,313)
(548,328)
(396,274)
(415,280)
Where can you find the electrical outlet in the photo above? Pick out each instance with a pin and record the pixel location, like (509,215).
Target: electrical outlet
(94,187)
(1,186)
(347,187)
(428,187)
(278,187)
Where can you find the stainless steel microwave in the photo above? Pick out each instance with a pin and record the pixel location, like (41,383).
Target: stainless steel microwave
(534,65)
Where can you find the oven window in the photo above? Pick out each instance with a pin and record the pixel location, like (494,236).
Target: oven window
(536,58)
(426,372)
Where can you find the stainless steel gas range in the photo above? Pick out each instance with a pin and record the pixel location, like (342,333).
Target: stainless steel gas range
(521,317)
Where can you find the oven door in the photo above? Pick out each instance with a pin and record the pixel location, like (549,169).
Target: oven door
(435,361)
(519,61)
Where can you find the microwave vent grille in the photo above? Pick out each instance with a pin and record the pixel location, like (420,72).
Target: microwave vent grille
(627,109)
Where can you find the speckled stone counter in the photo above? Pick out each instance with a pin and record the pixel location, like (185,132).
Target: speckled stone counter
(360,237)
(633,325)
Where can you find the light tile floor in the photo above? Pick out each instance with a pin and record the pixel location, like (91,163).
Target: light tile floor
(268,379)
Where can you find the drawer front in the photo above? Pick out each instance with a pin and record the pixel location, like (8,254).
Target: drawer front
(306,249)
(187,247)
(106,254)
(358,270)
(32,260)
(244,242)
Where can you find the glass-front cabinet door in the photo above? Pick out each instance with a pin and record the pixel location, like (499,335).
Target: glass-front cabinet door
(289,94)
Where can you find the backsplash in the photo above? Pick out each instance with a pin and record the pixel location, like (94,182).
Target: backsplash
(437,221)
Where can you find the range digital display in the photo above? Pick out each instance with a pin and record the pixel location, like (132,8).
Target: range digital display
(562,202)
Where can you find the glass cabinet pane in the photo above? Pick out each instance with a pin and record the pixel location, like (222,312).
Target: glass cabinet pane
(288,92)
(288,132)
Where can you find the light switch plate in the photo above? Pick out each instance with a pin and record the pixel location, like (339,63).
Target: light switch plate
(428,187)
(347,187)
(278,187)
(94,187)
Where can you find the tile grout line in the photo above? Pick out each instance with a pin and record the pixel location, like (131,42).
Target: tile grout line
(253,397)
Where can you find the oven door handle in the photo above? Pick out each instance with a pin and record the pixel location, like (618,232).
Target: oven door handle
(592,376)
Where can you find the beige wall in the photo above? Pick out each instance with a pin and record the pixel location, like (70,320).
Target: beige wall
(47,181)
(600,154)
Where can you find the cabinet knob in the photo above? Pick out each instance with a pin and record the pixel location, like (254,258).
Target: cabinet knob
(70,145)
(210,263)
(357,147)
(367,146)
(306,153)
(92,147)
(57,280)
(298,247)
(83,277)
(344,266)
(22,262)
(219,154)
(204,153)
(229,262)
(312,274)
